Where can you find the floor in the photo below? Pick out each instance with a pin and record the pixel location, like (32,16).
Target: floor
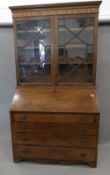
(27,168)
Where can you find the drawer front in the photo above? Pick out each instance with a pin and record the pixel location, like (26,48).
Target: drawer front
(61,118)
(52,153)
(56,128)
(50,139)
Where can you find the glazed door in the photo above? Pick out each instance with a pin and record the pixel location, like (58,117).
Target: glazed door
(75,49)
(34,50)
(56,50)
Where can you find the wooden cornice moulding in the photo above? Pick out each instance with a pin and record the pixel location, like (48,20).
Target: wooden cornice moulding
(54,12)
(55,9)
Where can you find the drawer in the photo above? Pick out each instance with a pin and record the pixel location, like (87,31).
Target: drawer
(51,117)
(56,128)
(51,139)
(54,153)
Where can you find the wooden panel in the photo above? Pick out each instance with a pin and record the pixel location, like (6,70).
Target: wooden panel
(54,153)
(50,139)
(82,129)
(55,99)
(60,118)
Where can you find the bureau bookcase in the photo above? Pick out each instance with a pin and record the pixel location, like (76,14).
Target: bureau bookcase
(54,113)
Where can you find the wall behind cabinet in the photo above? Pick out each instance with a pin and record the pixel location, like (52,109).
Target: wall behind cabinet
(103,81)
(7,78)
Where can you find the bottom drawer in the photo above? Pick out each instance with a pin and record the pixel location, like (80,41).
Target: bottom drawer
(54,153)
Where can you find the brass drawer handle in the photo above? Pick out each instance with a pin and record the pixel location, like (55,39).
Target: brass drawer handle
(83,129)
(25,151)
(83,141)
(24,138)
(84,119)
(83,155)
(23,125)
(23,118)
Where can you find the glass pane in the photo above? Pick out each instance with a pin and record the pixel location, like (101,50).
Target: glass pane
(75,49)
(34,51)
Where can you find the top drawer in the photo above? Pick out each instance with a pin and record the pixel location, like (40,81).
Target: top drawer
(35,117)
